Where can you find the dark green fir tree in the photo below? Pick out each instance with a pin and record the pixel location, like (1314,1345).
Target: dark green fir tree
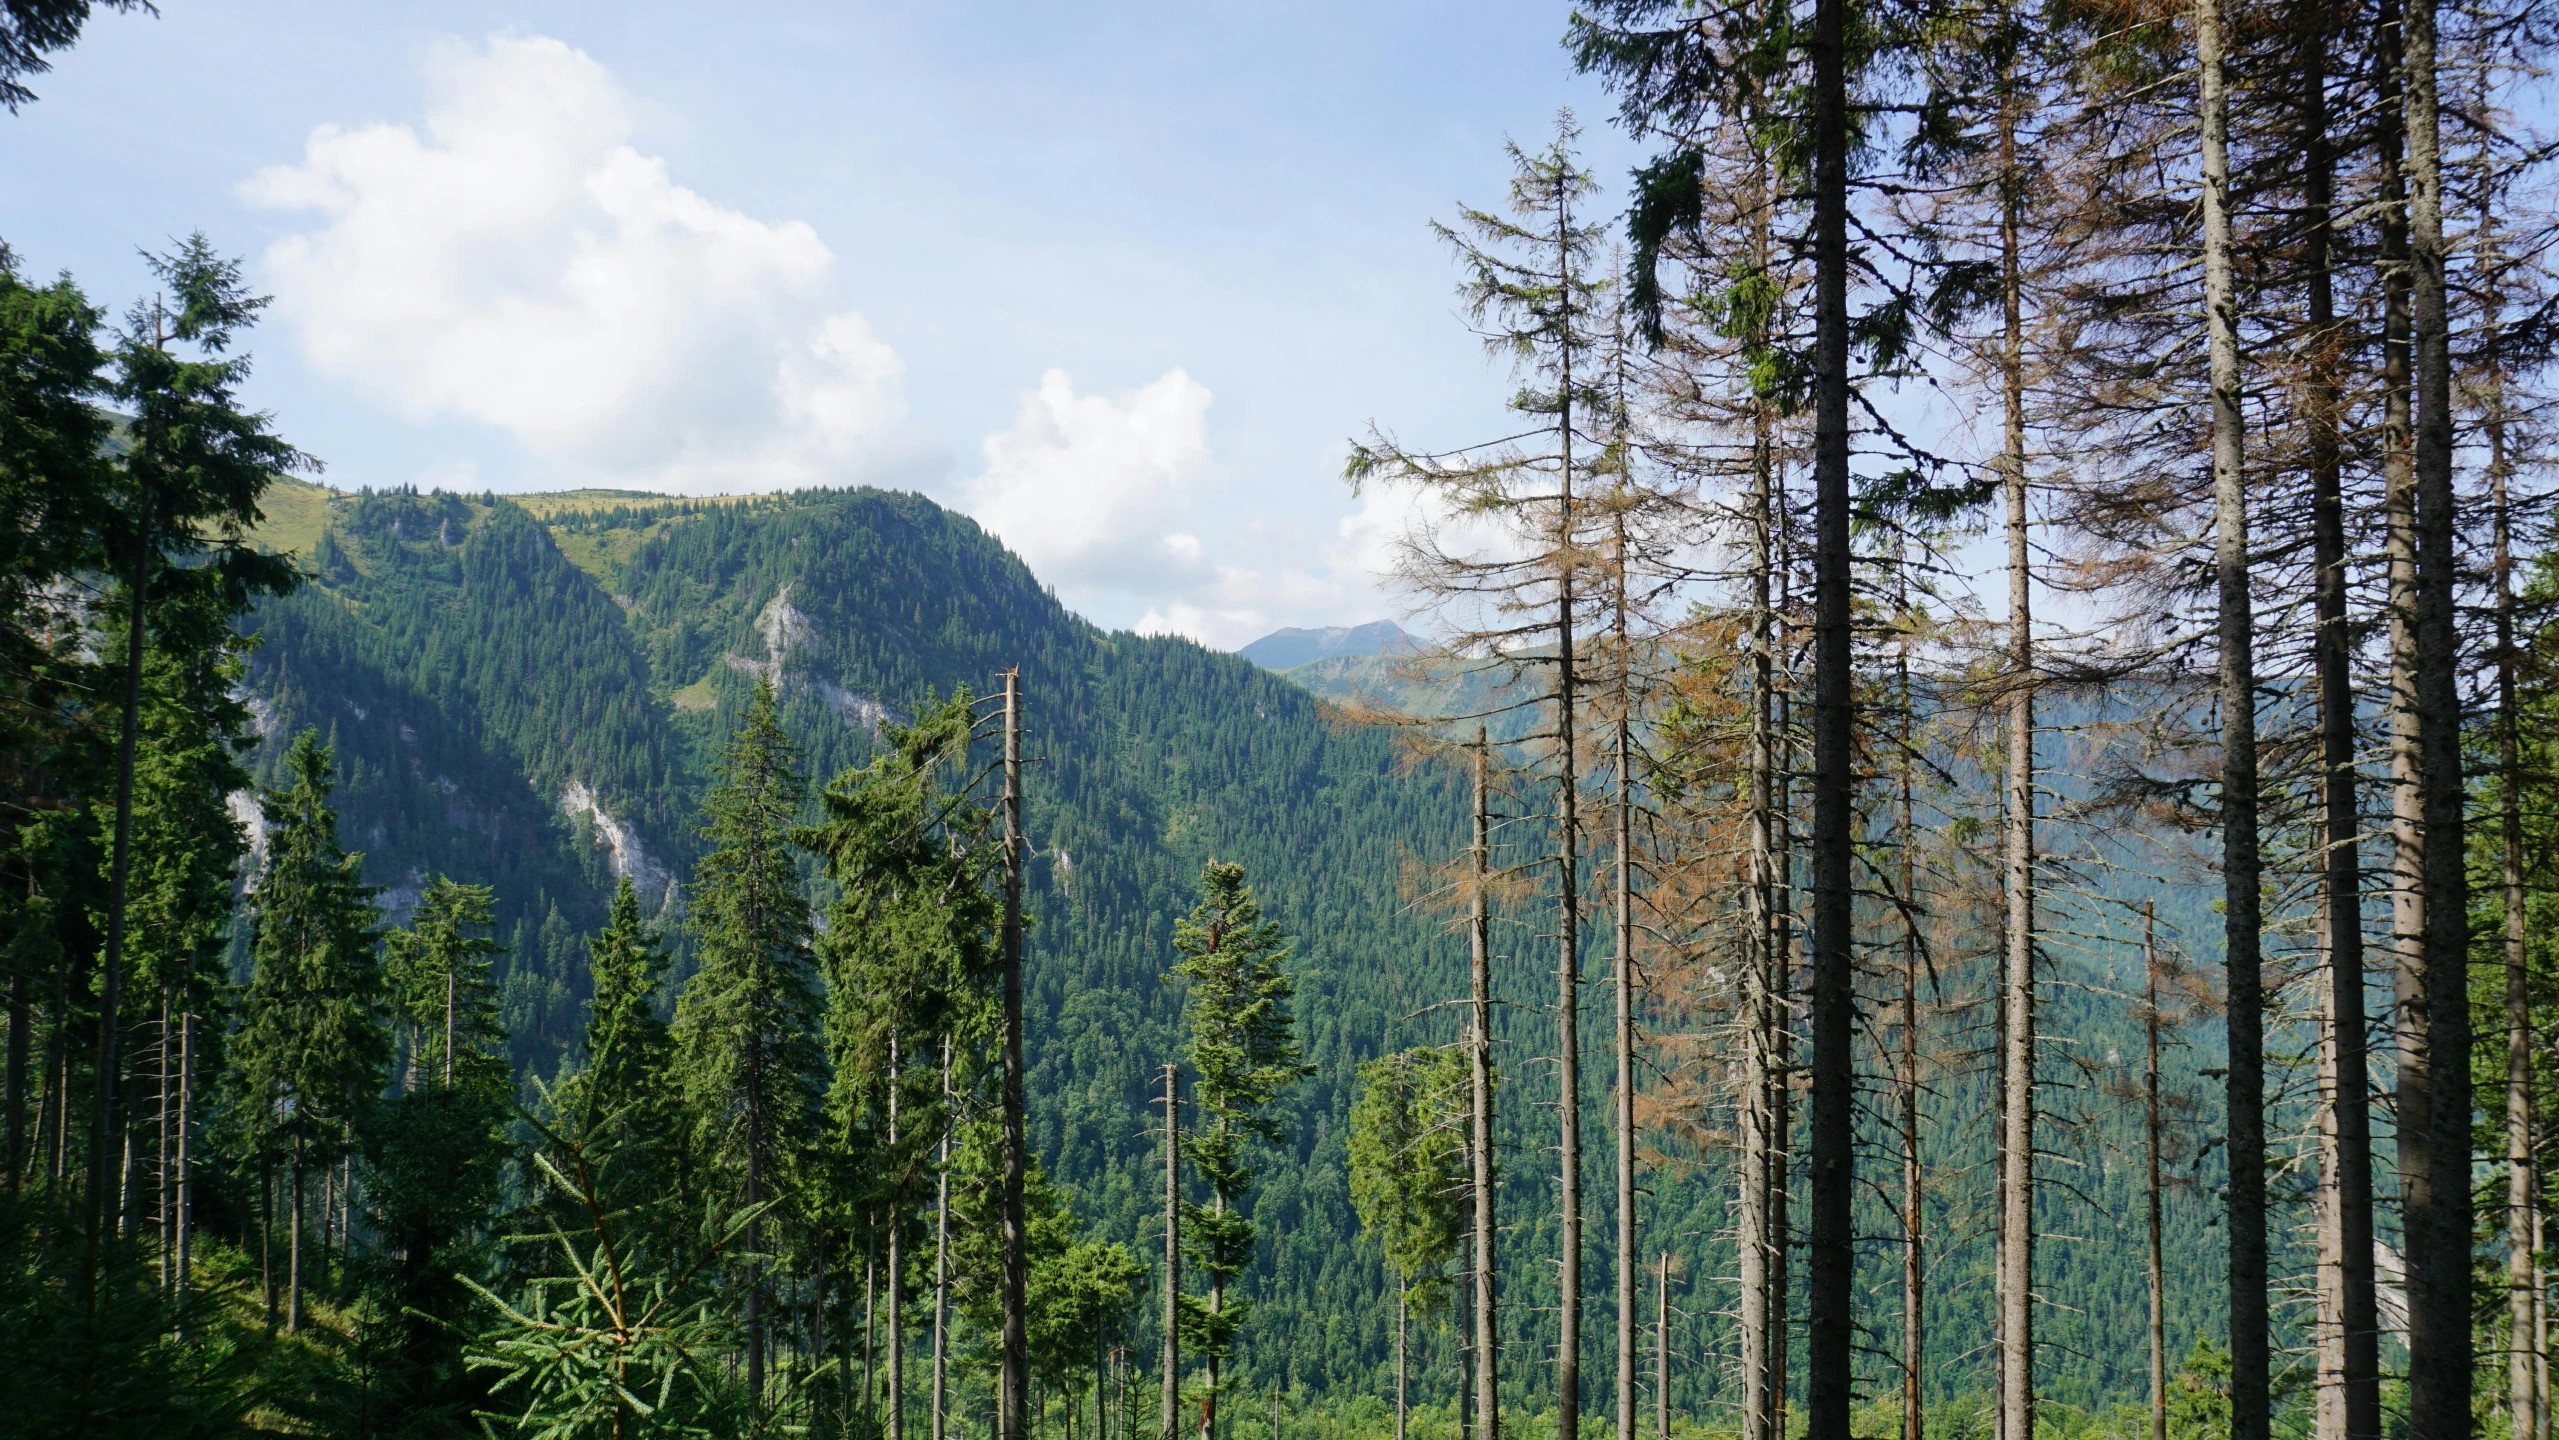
(1244,1050)
(311,1050)
(746,1030)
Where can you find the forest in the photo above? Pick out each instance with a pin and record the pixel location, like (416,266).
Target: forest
(1973,850)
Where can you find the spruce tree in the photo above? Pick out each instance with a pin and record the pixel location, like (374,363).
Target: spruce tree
(441,988)
(311,1048)
(1409,1174)
(625,1088)
(1244,1049)
(746,1029)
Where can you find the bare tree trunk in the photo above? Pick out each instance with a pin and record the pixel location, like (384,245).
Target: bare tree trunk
(1914,1275)
(942,1260)
(1762,954)
(2250,1415)
(2156,1271)
(111,962)
(2523,1390)
(1780,1240)
(2436,1182)
(2017,1062)
(164,1216)
(2349,1401)
(1568,914)
(1830,1324)
(1171,1362)
(21,1015)
(897,1264)
(1488,1401)
(1015,1339)
(293,1270)
(1627,1262)
(1661,1352)
(185,1206)
(755,1228)
(1403,1351)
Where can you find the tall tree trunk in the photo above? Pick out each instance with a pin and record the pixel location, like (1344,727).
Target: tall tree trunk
(1762,954)
(1780,1241)
(111,963)
(21,1015)
(1914,1275)
(1488,1401)
(1015,1337)
(1830,1324)
(185,1205)
(942,1260)
(2017,1063)
(2156,1270)
(2436,1199)
(1568,909)
(293,1262)
(2523,1353)
(2349,1399)
(755,1227)
(1170,1364)
(2246,1083)
(1661,1353)
(164,1213)
(1627,1262)
(1403,1351)
(897,1263)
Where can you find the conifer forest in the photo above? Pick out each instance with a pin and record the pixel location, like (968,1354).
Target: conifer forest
(1970,852)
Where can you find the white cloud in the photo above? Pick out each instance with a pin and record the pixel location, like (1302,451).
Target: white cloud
(519,264)
(1121,504)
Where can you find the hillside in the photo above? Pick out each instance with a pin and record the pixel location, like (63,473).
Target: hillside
(523,692)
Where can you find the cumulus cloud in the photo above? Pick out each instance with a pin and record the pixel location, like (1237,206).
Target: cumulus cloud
(1120,503)
(518,263)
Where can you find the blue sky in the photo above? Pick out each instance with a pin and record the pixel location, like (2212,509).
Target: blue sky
(1118,279)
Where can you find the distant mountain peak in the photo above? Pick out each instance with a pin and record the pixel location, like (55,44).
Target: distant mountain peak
(1282,649)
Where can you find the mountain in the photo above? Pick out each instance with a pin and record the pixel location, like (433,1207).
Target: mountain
(526,692)
(1284,649)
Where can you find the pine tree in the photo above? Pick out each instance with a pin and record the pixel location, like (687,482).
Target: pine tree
(746,1028)
(1244,1049)
(311,1049)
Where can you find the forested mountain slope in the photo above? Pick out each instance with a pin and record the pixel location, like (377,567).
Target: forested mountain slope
(526,694)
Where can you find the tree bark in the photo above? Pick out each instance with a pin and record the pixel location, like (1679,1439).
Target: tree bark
(2156,1270)
(897,1263)
(2349,1398)
(1914,1275)
(1568,910)
(1624,1100)
(1762,954)
(2523,1352)
(293,1253)
(1171,1360)
(1015,1338)
(1480,1063)
(2436,1198)
(2017,1063)
(2250,1415)
(942,1260)
(1830,1324)
(111,964)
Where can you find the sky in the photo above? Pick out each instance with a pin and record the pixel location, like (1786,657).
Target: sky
(1119,280)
